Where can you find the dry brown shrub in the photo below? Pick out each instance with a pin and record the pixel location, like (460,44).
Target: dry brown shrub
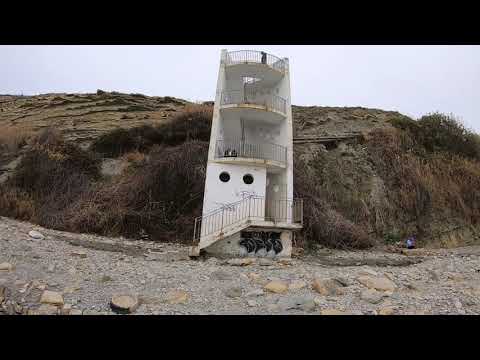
(16,203)
(13,138)
(52,174)
(160,198)
(323,224)
(422,187)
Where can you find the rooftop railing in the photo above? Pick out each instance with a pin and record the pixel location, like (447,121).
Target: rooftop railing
(252,56)
(241,149)
(271,102)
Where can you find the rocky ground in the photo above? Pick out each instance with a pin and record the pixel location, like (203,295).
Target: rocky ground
(50,272)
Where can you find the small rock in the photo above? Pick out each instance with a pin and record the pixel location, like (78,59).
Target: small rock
(372,296)
(66,309)
(278,287)
(51,297)
(411,286)
(251,303)
(257,279)
(5,266)
(44,309)
(105,278)
(36,235)
(297,285)
(80,253)
(285,261)
(377,283)
(234,292)
(75,312)
(342,281)
(333,312)
(221,275)
(255,293)
(177,297)
(124,304)
(265,262)
(388,310)
(327,287)
(241,262)
(433,275)
(297,303)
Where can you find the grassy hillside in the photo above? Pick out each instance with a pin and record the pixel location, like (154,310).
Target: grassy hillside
(119,164)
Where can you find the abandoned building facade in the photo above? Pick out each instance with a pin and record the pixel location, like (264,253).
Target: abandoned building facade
(248,207)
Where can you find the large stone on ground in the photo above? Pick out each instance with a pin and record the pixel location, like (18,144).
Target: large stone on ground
(124,303)
(377,283)
(327,287)
(36,235)
(177,297)
(5,266)
(387,310)
(51,297)
(44,309)
(255,293)
(234,292)
(372,296)
(297,303)
(66,309)
(276,286)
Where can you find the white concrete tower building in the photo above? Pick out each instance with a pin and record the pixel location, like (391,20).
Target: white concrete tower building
(248,206)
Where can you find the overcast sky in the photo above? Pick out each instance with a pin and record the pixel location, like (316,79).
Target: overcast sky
(413,80)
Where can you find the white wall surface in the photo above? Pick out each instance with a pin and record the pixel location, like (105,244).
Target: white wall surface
(218,192)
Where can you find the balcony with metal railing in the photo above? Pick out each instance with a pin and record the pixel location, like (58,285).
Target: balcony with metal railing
(250,211)
(257,64)
(273,155)
(254,100)
(255,57)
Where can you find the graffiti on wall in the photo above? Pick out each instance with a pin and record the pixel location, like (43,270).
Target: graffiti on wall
(261,242)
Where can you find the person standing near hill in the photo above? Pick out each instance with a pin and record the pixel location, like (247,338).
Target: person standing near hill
(411,242)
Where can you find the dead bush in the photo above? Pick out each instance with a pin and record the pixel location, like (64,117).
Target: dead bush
(53,174)
(13,139)
(193,123)
(438,132)
(426,186)
(161,198)
(323,224)
(16,203)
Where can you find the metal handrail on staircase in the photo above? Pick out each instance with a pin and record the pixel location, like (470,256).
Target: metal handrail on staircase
(249,208)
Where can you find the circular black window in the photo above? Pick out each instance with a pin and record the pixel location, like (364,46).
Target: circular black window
(248,179)
(224,176)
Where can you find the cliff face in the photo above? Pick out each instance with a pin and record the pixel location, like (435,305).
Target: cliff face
(353,166)
(84,117)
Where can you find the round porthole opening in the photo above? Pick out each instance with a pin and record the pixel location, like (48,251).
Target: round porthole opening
(248,179)
(224,176)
